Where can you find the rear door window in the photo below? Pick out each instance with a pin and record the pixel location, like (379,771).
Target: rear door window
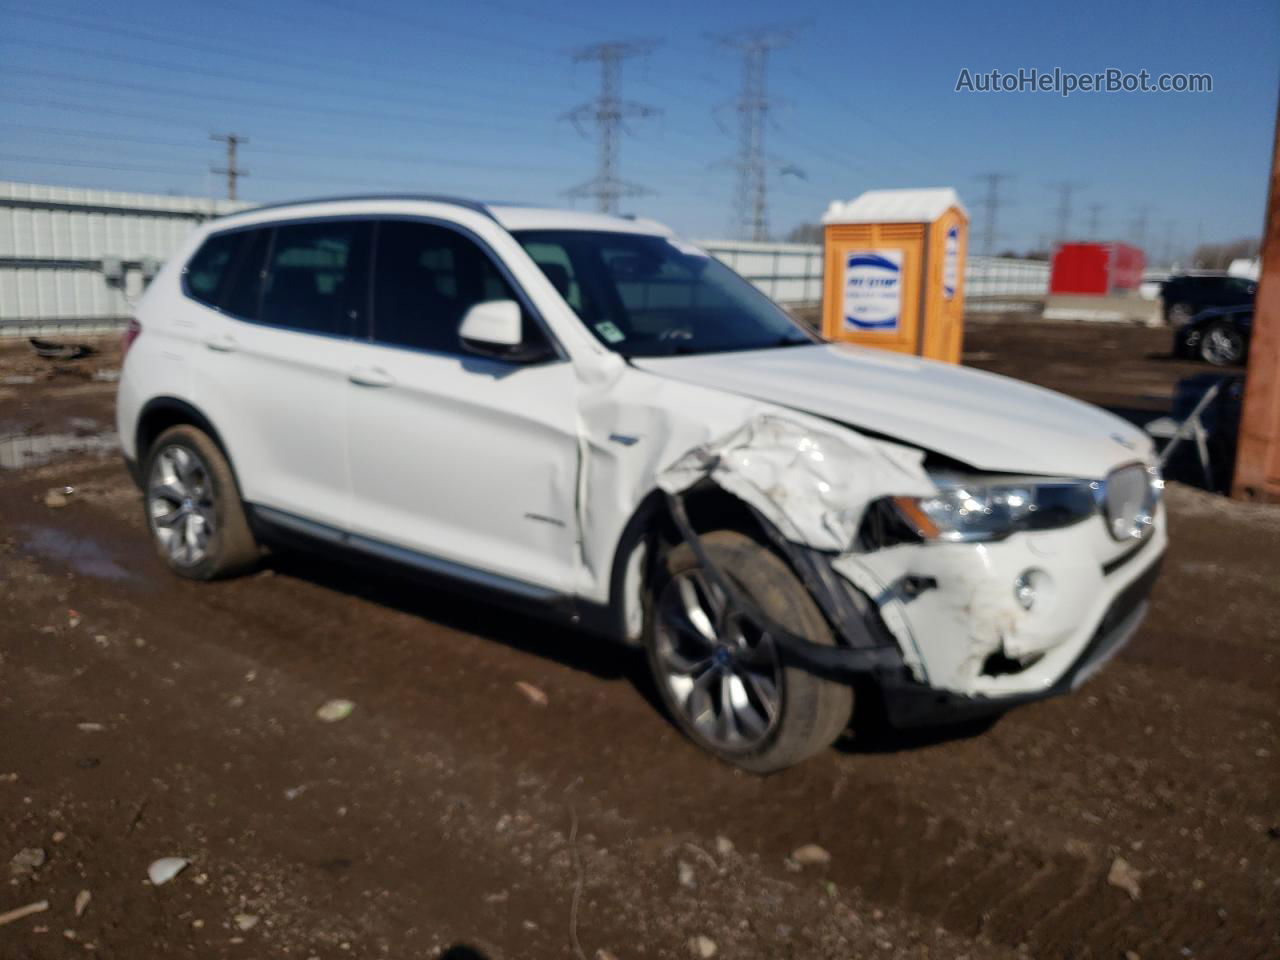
(426,277)
(316,278)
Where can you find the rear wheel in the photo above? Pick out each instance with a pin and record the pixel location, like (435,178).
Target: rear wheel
(1222,345)
(719,674)
(193,507)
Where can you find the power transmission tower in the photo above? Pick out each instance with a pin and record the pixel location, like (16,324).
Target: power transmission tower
(232,170)
(1139,231)
(1095,218)
(608,112)
(1065,189)
(1166,250)
(751,203)
(991,208)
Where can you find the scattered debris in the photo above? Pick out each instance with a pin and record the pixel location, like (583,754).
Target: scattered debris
(685,872)
(90,727)
(165,869)
(40,906)
(52,350)
(82,902)
(724,846)
(73,618)
(1132,955)
(26,861)
(293,793)
(8,778)
(1124,876)
(810,855)
(603,954)
(702,946)
(245,921)
(334,710)
(58,836)
(536,696)
(56,497)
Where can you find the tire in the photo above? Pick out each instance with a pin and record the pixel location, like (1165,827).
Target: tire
(1176,314)
(1222,345)
(193,507)
(808,713)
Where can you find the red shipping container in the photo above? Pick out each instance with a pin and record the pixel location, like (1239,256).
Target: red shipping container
(1096,268)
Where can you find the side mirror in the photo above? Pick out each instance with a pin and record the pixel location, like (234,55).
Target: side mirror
(495,328)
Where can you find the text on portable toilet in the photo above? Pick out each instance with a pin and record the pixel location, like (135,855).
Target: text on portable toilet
(873,289)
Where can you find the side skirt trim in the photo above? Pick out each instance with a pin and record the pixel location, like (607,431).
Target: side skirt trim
(427,563)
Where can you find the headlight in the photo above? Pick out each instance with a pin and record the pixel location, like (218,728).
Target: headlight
(965,510)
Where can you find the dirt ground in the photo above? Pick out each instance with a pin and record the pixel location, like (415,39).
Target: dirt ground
(452,815)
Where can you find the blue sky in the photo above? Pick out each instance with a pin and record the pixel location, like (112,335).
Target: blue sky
(465,97)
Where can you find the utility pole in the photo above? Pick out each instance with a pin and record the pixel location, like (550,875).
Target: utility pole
(232,170)
(1257,473)
(1095,218)
(1065,189)
(607,112)
(991,208)
(751,202)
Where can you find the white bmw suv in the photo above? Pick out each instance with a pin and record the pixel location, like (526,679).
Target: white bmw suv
(593,419)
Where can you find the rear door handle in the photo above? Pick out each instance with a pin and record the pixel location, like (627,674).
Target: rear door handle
(371,377)
(223,343)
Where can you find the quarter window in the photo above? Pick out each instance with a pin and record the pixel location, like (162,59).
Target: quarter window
(208,267)
(315,278)
(425,280)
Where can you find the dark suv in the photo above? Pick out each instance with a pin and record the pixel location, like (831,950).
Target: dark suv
(1185,296)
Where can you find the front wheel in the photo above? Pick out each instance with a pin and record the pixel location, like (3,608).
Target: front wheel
(193,507)
(1178,313)
(1222,345)
(720,675)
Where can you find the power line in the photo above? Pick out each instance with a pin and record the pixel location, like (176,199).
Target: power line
(232,170)
(991,210)
(205,97)
(753,105)
(607,112)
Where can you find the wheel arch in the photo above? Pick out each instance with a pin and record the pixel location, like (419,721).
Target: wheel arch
(652,530)
(159,414)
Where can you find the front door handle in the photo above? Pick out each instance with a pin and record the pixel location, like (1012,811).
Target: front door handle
(223,343)
(371,377)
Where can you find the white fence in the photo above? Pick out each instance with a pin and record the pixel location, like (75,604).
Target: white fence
(791,273)
(77,257)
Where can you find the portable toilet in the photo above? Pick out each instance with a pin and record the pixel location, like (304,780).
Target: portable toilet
(894,271)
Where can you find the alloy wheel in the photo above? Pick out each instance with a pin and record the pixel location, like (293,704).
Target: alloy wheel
(1221,346)
(721,669)
(180,505)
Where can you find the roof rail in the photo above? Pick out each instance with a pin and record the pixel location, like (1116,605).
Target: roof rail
(434,198)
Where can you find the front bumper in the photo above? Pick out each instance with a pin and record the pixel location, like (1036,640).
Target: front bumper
(910,703)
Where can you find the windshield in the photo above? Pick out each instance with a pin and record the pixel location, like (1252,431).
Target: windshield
(647,296)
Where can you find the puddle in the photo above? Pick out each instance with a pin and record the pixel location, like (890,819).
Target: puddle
(80,553)
(19,452)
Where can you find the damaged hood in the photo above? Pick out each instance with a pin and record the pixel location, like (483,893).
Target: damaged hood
(981,419)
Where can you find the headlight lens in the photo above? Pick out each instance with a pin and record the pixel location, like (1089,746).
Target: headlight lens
(968,510)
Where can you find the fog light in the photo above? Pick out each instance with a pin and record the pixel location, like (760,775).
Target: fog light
(1024,588)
